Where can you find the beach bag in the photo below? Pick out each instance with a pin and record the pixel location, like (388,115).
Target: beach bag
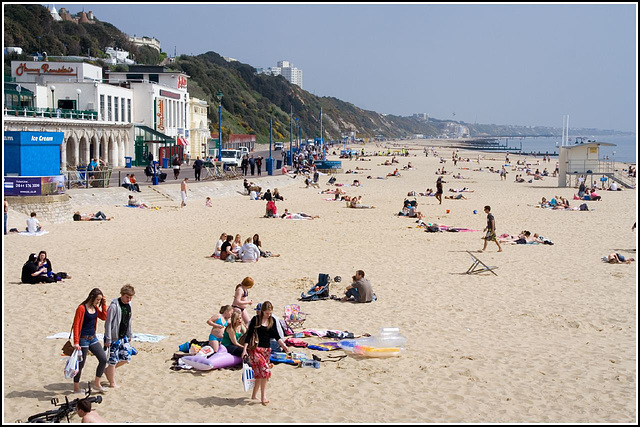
(248,377)
(67,348)
(73,364)
(584,207)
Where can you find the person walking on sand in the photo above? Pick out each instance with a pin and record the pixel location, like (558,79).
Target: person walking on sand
(197,167)
(117,332)
(264,326)
(183,192)
(490,229)
(439,189)
(85,324)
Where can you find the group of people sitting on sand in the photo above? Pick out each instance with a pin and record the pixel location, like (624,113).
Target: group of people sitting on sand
(586,193)
(410,209)
(38,269)
(231,250)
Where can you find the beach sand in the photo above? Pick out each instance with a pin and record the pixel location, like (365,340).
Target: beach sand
(551,338)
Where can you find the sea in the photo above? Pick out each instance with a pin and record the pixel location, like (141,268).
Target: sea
(624,150)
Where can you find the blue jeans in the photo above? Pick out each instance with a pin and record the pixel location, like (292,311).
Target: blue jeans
(5,223)
(99,216)
(353,293)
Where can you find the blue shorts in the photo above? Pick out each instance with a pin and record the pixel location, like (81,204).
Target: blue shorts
(214,338)
(86,343)
(119,351)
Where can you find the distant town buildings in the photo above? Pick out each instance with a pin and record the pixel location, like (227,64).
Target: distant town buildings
(145,41)
(64,15)
(287,70)
(228,59)
(421,116)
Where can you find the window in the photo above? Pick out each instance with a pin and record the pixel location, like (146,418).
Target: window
(109,108)
(154,78)
(129,109)
(122,116)
(115,102)
(102,112)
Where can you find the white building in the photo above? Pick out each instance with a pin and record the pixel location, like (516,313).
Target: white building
(287,70)
(161,103)
(118,56)
(199,127)
(54,14)
(146,41)
(70,97)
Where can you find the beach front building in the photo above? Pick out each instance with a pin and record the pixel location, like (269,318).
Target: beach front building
(583,159)
(160,111)
(69,97)
(198,127)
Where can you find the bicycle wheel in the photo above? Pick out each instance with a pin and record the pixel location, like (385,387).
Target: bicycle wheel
(52,416)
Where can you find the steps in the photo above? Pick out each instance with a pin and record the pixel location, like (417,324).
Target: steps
(152,195)
(621,179)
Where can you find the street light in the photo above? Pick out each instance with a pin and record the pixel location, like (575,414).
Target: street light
(298,133)
(53,99)
(78,91)
(219,96)
(19,90)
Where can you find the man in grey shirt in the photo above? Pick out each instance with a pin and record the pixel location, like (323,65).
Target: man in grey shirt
(360,289)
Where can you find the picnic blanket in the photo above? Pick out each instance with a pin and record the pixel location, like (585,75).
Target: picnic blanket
(37,233)
(136,337)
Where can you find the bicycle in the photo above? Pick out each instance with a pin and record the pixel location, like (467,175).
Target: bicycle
(63,410)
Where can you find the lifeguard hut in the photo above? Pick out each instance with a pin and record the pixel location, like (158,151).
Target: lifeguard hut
(582,158)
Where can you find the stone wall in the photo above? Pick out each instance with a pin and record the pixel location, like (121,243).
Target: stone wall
(52,209)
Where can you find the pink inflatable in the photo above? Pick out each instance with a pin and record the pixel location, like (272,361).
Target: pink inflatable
(221,359)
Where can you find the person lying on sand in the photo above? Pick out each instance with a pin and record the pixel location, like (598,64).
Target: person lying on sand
(456,197)
(299,215)
(461,190)
(616,258)
(98,216)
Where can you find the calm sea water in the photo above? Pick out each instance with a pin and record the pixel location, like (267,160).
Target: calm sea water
(625,149)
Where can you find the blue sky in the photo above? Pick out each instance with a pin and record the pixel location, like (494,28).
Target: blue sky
(503,64)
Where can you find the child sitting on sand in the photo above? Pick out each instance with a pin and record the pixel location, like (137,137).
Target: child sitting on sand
(218,324)
(207,202)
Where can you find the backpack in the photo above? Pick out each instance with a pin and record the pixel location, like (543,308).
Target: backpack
(584,207)
(432,229)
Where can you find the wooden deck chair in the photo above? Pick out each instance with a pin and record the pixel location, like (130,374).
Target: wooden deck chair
(475,267)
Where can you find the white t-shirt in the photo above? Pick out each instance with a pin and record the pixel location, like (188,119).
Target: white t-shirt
(249,252)
(126,180)
(32,225)
(614,186)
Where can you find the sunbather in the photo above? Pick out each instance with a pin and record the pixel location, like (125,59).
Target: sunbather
(616,258)
(355,203)
(456,197)
(133,202)
(98,216)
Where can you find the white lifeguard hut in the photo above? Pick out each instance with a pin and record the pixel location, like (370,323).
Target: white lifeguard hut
(582,158)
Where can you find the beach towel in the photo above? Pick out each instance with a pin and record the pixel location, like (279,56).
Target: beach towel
(136,337)
(37,233)
(325,346)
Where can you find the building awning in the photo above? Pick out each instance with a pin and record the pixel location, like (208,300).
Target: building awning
(152,135)
(182,141)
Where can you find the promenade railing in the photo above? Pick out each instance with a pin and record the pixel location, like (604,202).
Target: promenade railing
(50,113)
(82,178)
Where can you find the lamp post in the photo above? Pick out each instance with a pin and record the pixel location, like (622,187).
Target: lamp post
(290,136)
(19,90)
(53,99)
(78,91)
(219,96)
(298,133)
(270,159)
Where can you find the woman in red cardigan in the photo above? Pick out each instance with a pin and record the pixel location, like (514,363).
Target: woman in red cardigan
(85,324)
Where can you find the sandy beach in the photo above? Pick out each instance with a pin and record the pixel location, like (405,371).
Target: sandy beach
(552,338)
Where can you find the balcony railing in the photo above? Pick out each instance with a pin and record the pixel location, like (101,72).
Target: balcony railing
(51,113)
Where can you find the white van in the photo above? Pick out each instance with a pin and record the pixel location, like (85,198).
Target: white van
(244,150)
(278,145)
(233,157)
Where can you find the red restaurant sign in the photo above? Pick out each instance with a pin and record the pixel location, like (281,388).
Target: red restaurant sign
(182,82)
(46,69)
